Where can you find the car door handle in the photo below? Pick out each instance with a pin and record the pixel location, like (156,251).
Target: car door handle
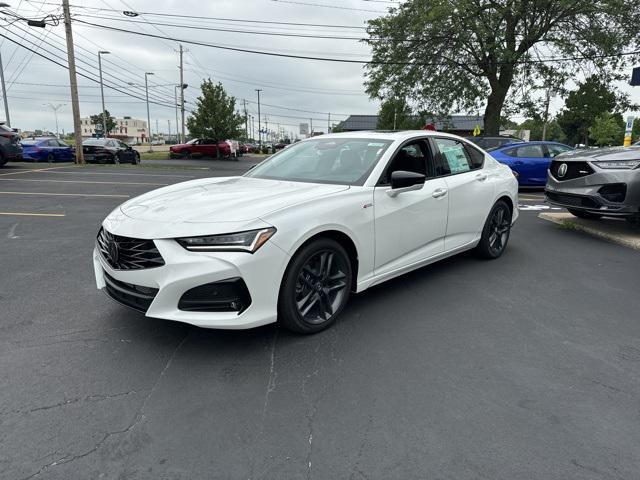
(481,177)
(439,192)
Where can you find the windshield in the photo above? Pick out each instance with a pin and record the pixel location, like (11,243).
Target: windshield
(30,142)
(344,161)
(191,142)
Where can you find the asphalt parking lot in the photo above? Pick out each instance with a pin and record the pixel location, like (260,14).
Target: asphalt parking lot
(527,367)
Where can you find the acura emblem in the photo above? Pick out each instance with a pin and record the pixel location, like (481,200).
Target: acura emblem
(113,252)
(562,170)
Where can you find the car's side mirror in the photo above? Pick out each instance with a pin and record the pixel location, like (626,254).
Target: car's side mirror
(403,181)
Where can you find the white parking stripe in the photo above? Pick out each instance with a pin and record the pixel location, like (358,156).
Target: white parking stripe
(27,214)
(81,181)
(64,194)
(122,173)
(30,170)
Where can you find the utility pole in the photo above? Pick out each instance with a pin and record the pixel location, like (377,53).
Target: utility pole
(266,128)
(329,123)
(253,128)
(311,127)
(259,125)
(182,93)
(4,94)
(546,113)
(246,120)
(157,129)
(146,90)
(175,93)
(73,81)
(169,127)
(395,117)
(104,111)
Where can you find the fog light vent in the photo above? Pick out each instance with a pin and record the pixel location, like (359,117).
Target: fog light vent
(230,295)
(614,192)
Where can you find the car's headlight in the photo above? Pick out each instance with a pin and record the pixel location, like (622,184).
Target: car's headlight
(618,164)
(248,241)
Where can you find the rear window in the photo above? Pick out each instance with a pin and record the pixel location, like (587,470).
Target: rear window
(30,142)
(94,141)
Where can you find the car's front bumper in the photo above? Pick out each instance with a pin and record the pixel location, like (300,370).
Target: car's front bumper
(184,270)
(585,193)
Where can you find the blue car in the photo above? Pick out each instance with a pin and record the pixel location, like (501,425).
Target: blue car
(47,150)
(530,160)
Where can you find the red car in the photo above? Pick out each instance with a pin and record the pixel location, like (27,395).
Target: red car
(200,147)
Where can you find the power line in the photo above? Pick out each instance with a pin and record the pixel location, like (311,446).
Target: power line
(324,5)
(365,62)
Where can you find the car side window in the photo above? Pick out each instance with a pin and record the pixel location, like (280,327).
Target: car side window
(411,157)
(555,150)
(530,151)
(476,157)
(512,152)
(453,156)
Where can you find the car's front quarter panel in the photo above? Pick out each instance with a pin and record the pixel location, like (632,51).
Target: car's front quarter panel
(350,212)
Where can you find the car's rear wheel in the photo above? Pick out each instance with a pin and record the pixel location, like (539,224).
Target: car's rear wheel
(582,214)
(316,287)
(136,159)
(3,160)
(496,231)
(51,158)
(116,159)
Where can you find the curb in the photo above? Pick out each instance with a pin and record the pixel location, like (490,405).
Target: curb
(614,230)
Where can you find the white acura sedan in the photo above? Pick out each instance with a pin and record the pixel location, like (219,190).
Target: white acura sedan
(295,236)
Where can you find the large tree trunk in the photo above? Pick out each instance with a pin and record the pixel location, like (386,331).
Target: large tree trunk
(492,113)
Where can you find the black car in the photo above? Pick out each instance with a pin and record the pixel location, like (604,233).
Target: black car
(108,150)
(489,143)
(10,148)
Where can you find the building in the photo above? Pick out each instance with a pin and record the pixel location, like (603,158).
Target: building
(129,130)
(462,125)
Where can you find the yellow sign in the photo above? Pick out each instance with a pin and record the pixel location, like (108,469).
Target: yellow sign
(476,131)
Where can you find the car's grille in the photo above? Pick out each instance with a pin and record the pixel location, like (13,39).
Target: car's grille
(134,296)
(572,200)
(574,170)
(124,253)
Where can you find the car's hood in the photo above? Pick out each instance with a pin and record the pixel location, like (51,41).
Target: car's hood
(223,199)
(611,153)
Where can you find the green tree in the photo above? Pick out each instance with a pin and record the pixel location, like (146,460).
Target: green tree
(215,116)
(607,129)
(455,55)
(592,98)
(534,125)
(396,111)
(635,133)
(97,120)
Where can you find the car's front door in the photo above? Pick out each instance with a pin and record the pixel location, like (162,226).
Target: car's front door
(410,226)
(126,152)
(470,190)
(532,164)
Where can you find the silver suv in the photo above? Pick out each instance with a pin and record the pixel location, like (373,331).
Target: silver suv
(596,183)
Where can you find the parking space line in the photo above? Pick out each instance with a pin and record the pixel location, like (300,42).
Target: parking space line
(81,181)
(65,194)
(122,173)
(27,214)
(29,170)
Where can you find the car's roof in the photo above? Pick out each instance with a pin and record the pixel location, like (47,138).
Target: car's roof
(385,135)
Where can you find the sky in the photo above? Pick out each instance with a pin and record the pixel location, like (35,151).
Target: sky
(36,85)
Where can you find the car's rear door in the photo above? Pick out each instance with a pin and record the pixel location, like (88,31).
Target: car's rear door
(470,189)
(532,163)
(409,227)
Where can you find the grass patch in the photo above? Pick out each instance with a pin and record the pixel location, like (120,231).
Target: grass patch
(154,155)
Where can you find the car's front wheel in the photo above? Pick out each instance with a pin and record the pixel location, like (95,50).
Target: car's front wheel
(316,287)
(496,231)
(50,158)
(582,214)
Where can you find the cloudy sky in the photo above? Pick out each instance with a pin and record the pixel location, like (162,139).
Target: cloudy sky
(288,85)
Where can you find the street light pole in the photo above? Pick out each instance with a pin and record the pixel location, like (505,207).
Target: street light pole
(146,90)
(104,111)
(259,124)
(175,93)
(55,113)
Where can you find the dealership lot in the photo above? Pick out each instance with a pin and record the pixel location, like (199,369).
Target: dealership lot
(524,367)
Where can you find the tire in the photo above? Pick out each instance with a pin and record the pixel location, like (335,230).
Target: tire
(185,154)
(3,160)
(51,158)
(136,159)
(496,231)
(312,297)
(116,159)
(585,215)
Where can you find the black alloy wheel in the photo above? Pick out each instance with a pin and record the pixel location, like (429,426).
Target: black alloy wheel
(316,287)
(50,158)
(185,154)
(136,159)
(116,158)
(496,231)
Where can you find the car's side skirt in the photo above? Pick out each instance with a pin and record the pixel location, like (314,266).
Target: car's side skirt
(377,279)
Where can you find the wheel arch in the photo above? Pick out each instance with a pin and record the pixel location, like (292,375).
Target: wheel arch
(506,199)
(340,237)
